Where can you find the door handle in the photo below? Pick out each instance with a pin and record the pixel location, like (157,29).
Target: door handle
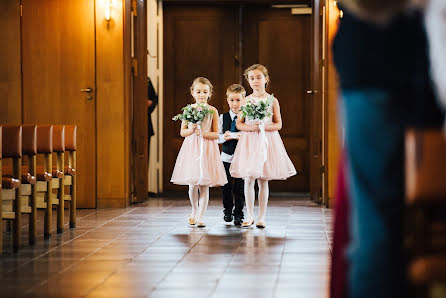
(311,91)
(88,91)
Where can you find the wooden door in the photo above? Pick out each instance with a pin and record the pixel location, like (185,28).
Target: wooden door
(198,41)
(281,41)
(315,99)
(58,50)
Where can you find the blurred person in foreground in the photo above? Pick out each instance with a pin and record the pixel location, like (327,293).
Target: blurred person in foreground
(381,55)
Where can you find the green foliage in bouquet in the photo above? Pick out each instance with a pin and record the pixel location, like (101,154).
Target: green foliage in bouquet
(194,113)
(258,110)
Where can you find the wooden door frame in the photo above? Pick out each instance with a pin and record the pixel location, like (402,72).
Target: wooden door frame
(138,23)
(323,179)
(315,94)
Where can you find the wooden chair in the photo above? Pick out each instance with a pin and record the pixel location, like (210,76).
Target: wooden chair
(425,195)
(44,175)
(58,173)
(1,201)
(70,170)
(29,205)
(11,191)
(28,177)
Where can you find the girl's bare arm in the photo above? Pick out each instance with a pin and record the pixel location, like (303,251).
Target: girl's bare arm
(277,118)
(185,131)
(240,124)
(213,134)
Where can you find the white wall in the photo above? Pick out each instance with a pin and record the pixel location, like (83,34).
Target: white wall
(155,72)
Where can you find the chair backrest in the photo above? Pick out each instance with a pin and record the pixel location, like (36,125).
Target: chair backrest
(29,139)
(44,139)
(12,145)
(425,165)
(70,137)
(58,138)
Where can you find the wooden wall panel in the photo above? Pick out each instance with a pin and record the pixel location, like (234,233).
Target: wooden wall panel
(10,63)
(128,105)
(111,109)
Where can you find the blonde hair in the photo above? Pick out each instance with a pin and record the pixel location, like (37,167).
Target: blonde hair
(260,67)
(203,81)
(236,88)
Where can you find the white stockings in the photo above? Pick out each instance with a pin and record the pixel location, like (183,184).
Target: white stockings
(199,199)
(250,197)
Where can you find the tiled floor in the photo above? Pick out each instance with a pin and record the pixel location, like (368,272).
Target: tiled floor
(149,250)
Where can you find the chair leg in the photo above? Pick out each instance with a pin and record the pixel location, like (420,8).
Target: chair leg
(17,223)
(49,198)
(73,193)
(1,213)
(33,215)
(60,194)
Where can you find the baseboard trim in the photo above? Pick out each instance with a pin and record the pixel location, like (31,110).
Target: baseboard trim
(331,203)
(113,202)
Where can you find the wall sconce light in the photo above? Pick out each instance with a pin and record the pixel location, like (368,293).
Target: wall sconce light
(108,4)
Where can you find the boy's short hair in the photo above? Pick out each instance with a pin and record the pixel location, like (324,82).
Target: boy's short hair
(236,88)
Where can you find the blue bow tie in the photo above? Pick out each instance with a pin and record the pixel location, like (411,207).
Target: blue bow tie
(233,123)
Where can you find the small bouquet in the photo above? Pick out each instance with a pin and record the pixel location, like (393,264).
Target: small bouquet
(194,113)
(257,110)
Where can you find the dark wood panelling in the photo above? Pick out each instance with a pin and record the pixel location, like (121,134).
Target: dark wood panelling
(281,42)
(198,41)
(316,104)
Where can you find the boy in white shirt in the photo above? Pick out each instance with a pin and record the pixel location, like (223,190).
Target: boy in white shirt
(233,191)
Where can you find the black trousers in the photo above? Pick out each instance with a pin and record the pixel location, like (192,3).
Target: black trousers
(233,193)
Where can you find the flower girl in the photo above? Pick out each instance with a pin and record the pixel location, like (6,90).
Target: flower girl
(260,154)
(198,163)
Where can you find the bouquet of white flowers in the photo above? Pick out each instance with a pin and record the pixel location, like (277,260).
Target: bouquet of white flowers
(257,110)
(194,113)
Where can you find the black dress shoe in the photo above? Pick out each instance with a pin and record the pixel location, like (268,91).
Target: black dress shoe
(227,217)
(238,219)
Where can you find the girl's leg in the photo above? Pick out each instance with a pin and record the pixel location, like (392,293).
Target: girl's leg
(263,198)
(193,197)
(249,198)
(203,203)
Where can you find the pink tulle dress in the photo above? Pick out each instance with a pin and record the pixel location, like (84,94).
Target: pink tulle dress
(199,162)
(261,154)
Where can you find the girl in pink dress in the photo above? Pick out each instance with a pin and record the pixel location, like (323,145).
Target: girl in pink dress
(198,163)
(260,154)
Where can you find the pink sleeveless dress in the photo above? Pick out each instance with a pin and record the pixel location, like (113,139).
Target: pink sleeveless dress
(261,155)
(199,162)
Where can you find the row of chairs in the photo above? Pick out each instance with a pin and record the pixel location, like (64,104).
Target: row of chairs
(38,171)
(426,202)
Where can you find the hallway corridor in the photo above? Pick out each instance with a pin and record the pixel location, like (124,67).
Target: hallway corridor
(149,250)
